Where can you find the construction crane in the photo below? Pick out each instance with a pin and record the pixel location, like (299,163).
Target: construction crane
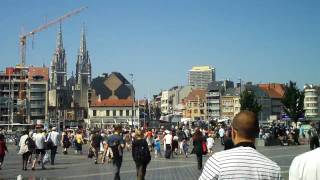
(23,44)
(23,38)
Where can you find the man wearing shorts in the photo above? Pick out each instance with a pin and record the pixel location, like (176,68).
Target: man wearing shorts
(39,139)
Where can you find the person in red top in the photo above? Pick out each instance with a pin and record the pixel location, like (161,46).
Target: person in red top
(3,149)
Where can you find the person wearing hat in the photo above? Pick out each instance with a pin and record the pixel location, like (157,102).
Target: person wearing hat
(54,137)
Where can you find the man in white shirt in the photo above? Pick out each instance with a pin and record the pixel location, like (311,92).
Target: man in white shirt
(39,139)
(55,138)
(243,161)
(221,134)
(306,166)
(168,144)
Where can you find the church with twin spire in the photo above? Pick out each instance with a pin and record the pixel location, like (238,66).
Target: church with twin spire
(69,98)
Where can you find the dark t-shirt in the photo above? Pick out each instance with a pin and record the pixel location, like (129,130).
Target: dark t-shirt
(96,140)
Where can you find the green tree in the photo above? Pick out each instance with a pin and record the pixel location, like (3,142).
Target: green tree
(249,102)
(293,101)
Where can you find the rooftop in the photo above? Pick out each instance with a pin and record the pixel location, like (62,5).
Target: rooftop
(201,68)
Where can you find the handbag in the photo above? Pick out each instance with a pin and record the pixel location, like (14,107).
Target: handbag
(204,148)
(49,143)
(90,153)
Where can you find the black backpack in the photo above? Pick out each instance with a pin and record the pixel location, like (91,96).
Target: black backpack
(141,154)
(31,144)
(116,149)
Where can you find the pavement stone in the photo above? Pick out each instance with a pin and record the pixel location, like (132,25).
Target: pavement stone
(179,168)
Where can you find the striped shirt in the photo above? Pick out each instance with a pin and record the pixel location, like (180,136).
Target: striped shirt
(240,163)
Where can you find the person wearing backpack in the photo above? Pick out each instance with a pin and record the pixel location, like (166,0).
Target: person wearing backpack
(54,137)
(116,143)
(27,147)
(141,154)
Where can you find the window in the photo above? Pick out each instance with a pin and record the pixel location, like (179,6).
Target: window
(94,113)
(114,113)
(127,112)
(201,111)
(195,111)
(121,112)
(107,112)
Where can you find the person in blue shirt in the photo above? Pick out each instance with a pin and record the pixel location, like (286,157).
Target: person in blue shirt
(116,143)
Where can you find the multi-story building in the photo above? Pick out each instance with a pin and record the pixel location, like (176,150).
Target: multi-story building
(195,105)
(213,96)
(165,105)
(201,76)
(275,91)
(23,95)
(227,106)
(264,100)
(38,78)
(311,100)
(112,101)
(112,111)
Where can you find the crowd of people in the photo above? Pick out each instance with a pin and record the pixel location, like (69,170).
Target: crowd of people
(239,160)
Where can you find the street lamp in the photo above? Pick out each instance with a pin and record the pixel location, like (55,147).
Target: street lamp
(133,99)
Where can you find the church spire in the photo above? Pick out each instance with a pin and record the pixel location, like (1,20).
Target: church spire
(83,46)
(59,39)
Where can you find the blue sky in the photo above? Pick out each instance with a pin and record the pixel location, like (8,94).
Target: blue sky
(160,40)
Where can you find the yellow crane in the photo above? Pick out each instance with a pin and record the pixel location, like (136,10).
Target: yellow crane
(23,37)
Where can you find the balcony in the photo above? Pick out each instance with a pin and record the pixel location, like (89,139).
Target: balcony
(37,90)
(37,98)
(37,114)
(37,106)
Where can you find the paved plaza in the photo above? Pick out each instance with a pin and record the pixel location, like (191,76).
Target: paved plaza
(179,168)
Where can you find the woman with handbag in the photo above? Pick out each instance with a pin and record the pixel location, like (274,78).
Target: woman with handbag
(198,143)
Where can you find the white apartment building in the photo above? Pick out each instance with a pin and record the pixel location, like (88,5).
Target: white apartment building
(201,76)
(165,109)
(311,100)
(213,104)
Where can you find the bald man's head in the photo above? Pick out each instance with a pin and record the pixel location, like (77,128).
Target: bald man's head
(246,124)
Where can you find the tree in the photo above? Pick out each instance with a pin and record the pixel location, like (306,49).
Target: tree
(293,101)
(249,102)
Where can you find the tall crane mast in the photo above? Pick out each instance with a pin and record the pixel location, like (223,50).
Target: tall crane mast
(23,37)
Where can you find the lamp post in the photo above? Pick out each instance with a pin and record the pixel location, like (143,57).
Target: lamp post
(133,102)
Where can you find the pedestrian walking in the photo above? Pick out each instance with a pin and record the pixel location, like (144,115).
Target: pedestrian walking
(65,141)
(210,143)
(96,139)
(3,149)
(53,136)
(314,137)
(78,140)
(141,154)
(221,135)
(26,147)
(157,147)
(243,161)
(198,143)
(116,143)
(40,151)
(168,144)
